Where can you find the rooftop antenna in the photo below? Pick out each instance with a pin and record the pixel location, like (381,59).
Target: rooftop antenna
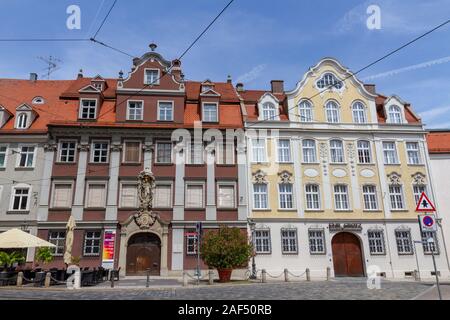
(52,65)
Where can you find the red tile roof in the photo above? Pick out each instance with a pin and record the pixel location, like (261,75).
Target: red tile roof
(439,141)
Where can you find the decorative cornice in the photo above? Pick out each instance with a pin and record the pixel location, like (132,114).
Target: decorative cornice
(260,177)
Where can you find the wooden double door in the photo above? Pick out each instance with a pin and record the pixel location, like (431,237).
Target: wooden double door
(143,253)
(347,255)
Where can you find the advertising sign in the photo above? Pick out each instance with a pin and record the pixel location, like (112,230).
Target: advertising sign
(109,242)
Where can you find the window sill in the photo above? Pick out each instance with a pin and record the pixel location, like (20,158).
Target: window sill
(165,121)
(284,162)
(134,120)
(263,253)
(2,168)
(193,209)
(393,164)
(59,209)
(289,253)
(163,164)
(98,163)
(22,212)
(66,163)
(406,254)
(373,211)
(24,168)
(225,164)
(163,208)
(287,210)
(226,209)
(399,211)
(371,164)
(263,210)
(314,210)
(310,163)
(416,164)
(87,120)
(131,164)
(349,210)
(91,255)
(129,208)
(378,254)
(338,163)
(94,209)
(194,164)
(318,253)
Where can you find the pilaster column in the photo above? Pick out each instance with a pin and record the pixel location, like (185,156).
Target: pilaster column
(354,175)
(383,181)
(164,251)
(177,248)
(49,156)
(148,148)
(78,205)
(211,211)
(243,167)
(113,184)
(178,207)
(323,153)
(298,184)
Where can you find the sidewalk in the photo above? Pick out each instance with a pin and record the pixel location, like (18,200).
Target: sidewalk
(432,293)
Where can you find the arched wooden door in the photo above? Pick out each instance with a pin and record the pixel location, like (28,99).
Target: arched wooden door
(347,255)
(144,252)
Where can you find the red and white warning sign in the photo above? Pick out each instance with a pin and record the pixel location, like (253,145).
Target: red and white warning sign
(424,204)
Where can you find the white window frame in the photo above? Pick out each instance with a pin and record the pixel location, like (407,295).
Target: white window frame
(203,112)
(312,194)
(226,184)
(13,193)
(369,149)
(326,85)
(262,238)
(341,194)
(52,197)
(5,162)
(338,113)
(260,193)
(417,195)
(342,151)
(396,160)
(159,109)
(402,197)
(303,109)
(57,242)
(125,150)
(402,242)
(158,77)
(20,123)
(195,183)
(369,194)
(286,195)
(165,183)
(157,143)
(292,241)
(263,148)
(289,160)
(107,151)
(313,241)
(191,155)
(268,110)
(426,246)
(363,111)
(389,113)
(19,155)
(314,148)
(85,239)
(80,113)
(86,197)
(376,246)
(191,237)
(142,109)
(419,156)
(128,183)
(60,150)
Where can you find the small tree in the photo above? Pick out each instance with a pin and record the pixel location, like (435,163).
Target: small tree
(44,255)
(8,259)
(226,249)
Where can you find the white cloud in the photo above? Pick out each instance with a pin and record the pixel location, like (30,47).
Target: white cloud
(253,74)
(434,112)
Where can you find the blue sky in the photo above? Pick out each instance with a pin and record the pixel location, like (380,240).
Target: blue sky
(254,41)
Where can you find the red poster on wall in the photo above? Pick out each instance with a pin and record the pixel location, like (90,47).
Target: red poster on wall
(109,241)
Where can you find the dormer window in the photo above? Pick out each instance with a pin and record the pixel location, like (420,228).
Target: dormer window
(38,100)
(210,112)
(394,114)
(269,111)
(151,76)
(329,80)
(22,121)
(98,86)
(88,109)
(207,87)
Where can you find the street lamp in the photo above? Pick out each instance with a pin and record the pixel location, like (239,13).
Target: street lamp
(252,225)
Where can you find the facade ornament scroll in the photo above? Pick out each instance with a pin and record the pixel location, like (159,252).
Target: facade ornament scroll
(116,147)
(260,177)
(50,147)
(285,176)
(351,157)
(83,147)
(394,178)
(419,178)
(323,153)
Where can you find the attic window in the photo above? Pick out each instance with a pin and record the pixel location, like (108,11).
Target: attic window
(98,86)
(22,121)
(207,87)
(329,80)
(151,76)
(38,100)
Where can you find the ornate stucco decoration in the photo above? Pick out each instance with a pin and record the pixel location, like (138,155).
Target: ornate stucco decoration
(83,147)
(50,147)
(323,153)
(260,177)
(148,147)
(419,178)
(145,218)
(351,156)
(394,178)
(116,147)
(285,176)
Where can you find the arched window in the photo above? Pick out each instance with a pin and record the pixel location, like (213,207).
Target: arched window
(269,111)
(22,121)
(305,111)
(309,151)
(329,80)
(337,151)
(359,113)
(395,114)
(332,110)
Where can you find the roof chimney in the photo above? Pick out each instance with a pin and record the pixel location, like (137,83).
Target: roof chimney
(229,79)
(239,87)
(33,76)
(277,86)
(80,74)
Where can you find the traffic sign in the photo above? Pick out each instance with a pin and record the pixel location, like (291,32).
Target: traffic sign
(427,222)
(424,204)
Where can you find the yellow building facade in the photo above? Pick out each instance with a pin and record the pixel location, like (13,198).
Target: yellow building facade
(334,174)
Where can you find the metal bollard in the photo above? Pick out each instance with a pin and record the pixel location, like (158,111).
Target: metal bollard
(185,280)
(211,277)
(263,276)
(308,275)
(19,279)
(328,273)
(47,279)
(112,280)
(147,284)
(286,275)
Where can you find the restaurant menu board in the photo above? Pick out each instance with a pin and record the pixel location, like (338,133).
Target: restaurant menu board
(109,241)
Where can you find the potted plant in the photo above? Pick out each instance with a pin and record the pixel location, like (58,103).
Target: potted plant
(44,255)
(7,260)
(226,249)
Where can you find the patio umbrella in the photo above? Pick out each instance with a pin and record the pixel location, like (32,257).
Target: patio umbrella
(69,240)
(15,238)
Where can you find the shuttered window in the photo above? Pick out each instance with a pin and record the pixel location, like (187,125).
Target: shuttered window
(96,196)
(62,196)
(225,196)
(128,197)
(163,196)
(194,196)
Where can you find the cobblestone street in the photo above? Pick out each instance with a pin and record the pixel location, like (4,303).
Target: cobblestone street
(332,290)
